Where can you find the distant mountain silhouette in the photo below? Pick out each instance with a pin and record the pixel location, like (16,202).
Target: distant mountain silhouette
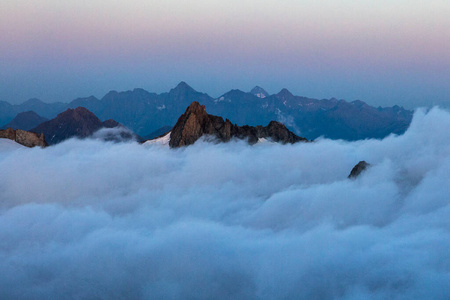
(25,121)
(78,122)
(196,122)
(259,92)
(284,94)
(145,112)
(46,110)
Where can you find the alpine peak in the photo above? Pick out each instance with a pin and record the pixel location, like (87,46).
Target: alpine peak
(259,92)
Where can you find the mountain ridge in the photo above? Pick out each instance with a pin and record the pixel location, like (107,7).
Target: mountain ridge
(78,122)
(196,122)
(145,112)
(25,121)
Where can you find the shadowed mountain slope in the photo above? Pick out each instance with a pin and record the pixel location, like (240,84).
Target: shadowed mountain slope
(78,122)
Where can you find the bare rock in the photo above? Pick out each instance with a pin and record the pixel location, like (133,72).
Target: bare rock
(358,169)
(8,133)
(26,138)
(196,122)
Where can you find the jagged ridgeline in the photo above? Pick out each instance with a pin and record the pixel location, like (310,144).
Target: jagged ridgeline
(196,122)
(146,113)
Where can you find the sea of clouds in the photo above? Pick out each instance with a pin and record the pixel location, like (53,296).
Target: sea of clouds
(100,220)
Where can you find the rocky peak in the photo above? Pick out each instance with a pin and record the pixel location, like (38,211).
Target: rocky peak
(196,108)
(279,133)
(26,138)
(196,122)
(79,122)
(190,126)
(78,113)
(358,169)
(259,92)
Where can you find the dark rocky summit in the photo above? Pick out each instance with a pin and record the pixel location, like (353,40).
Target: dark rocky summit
(26,138)
(358,169)
(78,122)
(25,121)
(196,122)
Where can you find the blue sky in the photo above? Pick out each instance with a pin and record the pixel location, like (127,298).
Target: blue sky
(382,52)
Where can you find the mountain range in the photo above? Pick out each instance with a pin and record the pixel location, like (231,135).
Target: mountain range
(146,113)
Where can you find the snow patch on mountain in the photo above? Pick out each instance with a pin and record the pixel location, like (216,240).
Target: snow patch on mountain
(161,141)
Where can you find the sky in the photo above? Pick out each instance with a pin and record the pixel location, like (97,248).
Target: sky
(101,220)
(382,52)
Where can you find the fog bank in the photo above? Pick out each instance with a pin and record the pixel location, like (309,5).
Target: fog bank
(101,220)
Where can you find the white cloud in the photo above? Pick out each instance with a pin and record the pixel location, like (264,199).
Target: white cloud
(89,219)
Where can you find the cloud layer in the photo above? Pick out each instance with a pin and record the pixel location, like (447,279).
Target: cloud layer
(90,219)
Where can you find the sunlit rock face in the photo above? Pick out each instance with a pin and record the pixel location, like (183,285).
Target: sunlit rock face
(26,138)
(196,122)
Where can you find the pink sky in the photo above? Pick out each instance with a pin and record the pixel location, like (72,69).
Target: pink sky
(373,50)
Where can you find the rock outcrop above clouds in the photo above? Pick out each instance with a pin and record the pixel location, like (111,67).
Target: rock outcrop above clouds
(358,169)
(26,138)
(196,122)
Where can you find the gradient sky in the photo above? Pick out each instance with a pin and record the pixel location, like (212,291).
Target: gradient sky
(382,52)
